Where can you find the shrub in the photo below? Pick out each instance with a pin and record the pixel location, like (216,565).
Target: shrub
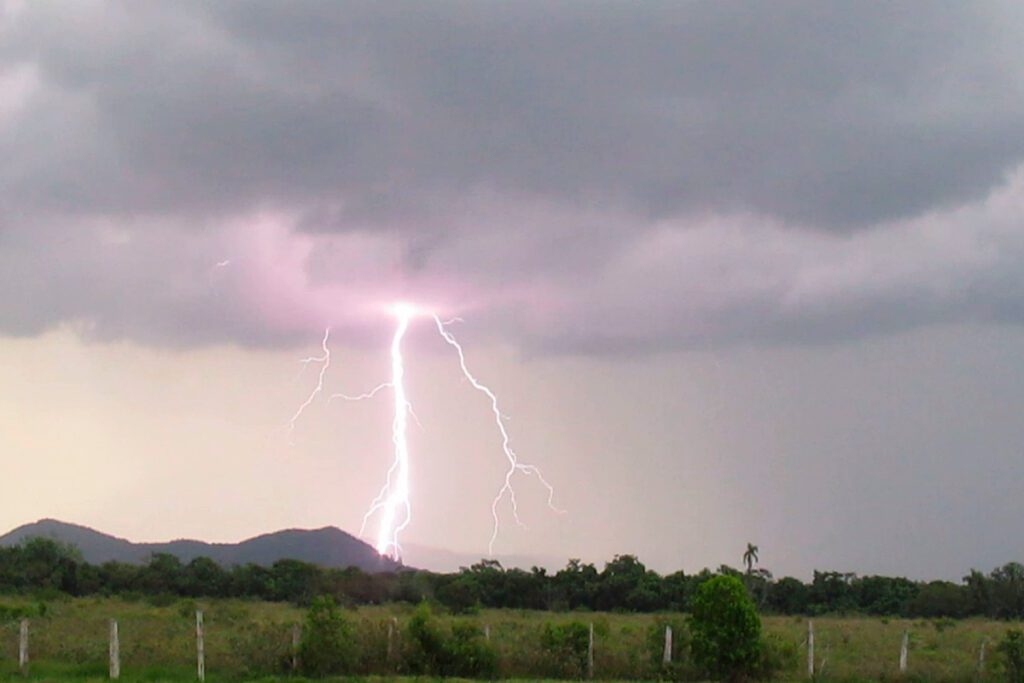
(470,655)
(1011,648)
(565,646)
(260,649)
(429,648)
(187,608)
(461,651)
(326,646)
(14,613)
(777,656)
(162,600)
(726,630)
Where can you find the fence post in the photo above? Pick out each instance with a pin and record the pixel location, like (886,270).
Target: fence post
(590,653)
(810,649)
(392,629)
(296,642)
(903,651)
(115,652)
(981,658)
(487,632)
(200,648)
(666,655)
(23,648)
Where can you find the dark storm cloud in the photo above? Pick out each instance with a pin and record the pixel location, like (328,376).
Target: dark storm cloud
(593,124)
(825,113)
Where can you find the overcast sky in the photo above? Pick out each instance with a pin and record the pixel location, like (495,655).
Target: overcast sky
(737,271)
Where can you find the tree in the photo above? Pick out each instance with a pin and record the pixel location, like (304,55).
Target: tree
(163,574)
(626,583)
(788,596)
(294,580)
(675,589)
(979,593)
(1007,583)
(750,557)
(461,593)
(44,563)
(203,576)
(940,599)
(884,594)
(832,592)
(576,585)
(726,629)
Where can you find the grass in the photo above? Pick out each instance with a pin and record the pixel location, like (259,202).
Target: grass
(246,640)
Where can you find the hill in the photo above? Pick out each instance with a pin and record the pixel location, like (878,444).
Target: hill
(327,547)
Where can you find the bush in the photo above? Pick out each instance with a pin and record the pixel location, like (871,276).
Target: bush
(260,649)
(187,608)
(162,600)
(776,656)
(14,613)
(429,649)
(327,645)
(565,646)
(461,651)
(726,630)
(1011,649)
(470,655)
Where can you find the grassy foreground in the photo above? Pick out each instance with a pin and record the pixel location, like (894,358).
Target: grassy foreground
(252,641)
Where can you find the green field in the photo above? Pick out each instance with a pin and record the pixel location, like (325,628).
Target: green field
(250,640)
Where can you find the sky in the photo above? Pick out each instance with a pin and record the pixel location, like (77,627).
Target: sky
(738,272)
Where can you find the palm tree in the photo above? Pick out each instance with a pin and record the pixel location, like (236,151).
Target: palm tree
(750,557)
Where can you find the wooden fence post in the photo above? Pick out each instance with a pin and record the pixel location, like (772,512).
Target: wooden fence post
(810,649)
(666,656)
(115,652)
(590,653)
(296,642)
(392,631)
(23,648)
(487,632)
(903,651)
(200,648)
(981,658)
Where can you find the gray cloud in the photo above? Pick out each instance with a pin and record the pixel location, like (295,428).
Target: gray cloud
(694,171)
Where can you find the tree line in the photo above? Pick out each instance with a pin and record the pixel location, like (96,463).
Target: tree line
(45,566)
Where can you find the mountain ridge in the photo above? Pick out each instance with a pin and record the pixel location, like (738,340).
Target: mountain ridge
(326,546)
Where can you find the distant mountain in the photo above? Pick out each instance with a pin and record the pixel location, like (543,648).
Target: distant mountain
(327,547)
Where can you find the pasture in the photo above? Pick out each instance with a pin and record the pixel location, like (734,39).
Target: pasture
(248,640)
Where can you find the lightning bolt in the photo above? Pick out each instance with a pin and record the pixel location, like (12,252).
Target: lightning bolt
(392,502)
(325,360)
(513,461)
(394,496)
(362,397)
